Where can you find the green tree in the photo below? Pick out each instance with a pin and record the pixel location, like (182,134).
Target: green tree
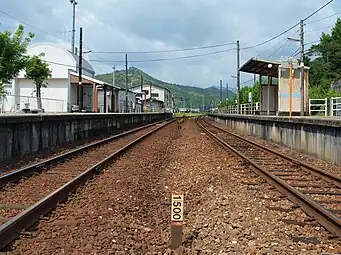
(38,71)
(12,54)
(326,67)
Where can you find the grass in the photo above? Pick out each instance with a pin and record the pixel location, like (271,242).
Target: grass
(189,114)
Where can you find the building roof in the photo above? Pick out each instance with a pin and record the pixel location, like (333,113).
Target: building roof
(153,85)
(85,64)
(45,47)
(98,82)
(260,66)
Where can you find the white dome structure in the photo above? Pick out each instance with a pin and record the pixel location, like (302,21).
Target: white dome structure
(59,59)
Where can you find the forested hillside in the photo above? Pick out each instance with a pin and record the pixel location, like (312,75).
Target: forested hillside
(192,95)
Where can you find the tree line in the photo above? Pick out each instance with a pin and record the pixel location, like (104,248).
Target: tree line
(14,58)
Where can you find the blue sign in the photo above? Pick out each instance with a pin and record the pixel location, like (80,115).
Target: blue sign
(287,95)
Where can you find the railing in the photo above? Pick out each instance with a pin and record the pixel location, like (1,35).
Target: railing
(15,104)
(318,106)
(335,106)
(247,109)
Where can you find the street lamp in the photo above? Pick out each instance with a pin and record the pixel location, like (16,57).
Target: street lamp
(74,3)
(268,99)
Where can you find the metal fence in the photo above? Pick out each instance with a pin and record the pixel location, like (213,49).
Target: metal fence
(318,106)
(15,104)
(248,109)
(335,106)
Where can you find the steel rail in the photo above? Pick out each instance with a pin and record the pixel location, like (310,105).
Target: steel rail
(328,220)
(12,228)
(328,176)
(29,170)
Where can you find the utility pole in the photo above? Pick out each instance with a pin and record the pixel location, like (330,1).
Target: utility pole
(74,3)
(221,91)
(203,103)
(150,96)
(141,93)
(80,67)
(238,77)
(227,91)
(302,67)
(126,105)
(113,76)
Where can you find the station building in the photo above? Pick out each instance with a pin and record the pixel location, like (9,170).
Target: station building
(154,98)
(60,94)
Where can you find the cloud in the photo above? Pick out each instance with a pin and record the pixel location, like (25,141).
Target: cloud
(146,25)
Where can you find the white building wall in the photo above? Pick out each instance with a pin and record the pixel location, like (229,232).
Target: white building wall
(154,90)
(54,97)
(164,95)
(121,101)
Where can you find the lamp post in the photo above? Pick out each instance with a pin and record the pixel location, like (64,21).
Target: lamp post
(268,94)
(74,3)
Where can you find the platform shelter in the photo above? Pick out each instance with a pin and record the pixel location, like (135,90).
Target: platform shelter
(280,85)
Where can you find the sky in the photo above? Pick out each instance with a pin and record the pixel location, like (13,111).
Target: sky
(152,25)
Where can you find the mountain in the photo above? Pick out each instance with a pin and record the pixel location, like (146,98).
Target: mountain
(193,95)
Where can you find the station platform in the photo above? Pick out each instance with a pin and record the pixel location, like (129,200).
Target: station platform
(317,136)
(23,134)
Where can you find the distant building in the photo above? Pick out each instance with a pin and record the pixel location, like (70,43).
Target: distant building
(154,98)
(60,95)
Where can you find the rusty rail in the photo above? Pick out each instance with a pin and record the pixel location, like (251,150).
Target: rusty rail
(327,219)
(12,228)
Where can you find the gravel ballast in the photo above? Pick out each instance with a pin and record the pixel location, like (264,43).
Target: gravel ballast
(228,209)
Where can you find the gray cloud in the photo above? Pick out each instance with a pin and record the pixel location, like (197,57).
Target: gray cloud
(143,25)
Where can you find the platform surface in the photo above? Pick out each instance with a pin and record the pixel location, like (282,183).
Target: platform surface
(334,121)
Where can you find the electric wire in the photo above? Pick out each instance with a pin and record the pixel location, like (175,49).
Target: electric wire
(164,51)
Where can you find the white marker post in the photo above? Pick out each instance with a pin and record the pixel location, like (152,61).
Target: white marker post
(177,220)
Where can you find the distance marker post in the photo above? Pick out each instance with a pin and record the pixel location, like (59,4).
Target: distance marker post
(177,220)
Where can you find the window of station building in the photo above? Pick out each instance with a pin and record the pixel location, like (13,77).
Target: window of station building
(138,94)
(155,94)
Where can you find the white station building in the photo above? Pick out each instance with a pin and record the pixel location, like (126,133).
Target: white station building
(154,98)
(61,92)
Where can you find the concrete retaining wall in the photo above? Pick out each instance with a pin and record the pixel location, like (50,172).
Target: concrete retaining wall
(30,133)
(318,137)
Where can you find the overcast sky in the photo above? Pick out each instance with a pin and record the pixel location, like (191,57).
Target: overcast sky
(147,25)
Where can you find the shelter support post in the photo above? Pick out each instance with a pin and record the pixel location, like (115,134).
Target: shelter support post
(105,98)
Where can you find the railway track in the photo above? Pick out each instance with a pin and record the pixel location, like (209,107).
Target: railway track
(316,191)
(29,193)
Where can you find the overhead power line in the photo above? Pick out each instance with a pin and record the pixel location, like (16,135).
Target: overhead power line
(163,59)
(35,27)
(330,16)
(271,39)
(247,81)
(286,41)
(27,24)
(289,29)
(318,29)
(164,51)
(319,9)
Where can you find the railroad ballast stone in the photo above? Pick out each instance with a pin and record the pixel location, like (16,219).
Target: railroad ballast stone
(122,211)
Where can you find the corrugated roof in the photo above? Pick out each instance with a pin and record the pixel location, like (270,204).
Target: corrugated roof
(260,66)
